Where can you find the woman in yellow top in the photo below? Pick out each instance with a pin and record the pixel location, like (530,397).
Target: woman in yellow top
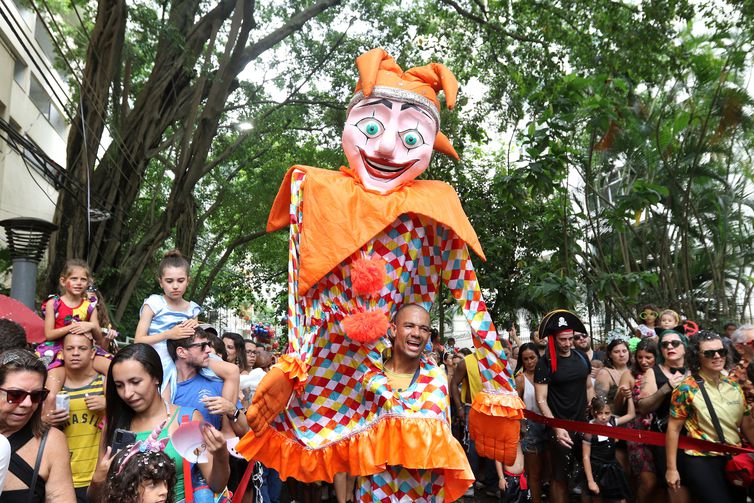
(703,472)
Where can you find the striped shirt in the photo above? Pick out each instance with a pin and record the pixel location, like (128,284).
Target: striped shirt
(83,431)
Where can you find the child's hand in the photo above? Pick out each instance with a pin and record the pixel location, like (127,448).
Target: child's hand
(180,332)
(218,405)
(190,323)
(594,487)
(81,327)
(111,335)
(502,484)
(214,440)
(95,403)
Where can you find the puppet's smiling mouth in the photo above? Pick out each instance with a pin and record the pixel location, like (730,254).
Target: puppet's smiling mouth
(382,168)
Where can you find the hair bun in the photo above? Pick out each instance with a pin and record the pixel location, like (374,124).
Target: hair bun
(174,253)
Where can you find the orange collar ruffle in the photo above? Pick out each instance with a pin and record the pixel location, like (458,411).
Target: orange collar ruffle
(340,216)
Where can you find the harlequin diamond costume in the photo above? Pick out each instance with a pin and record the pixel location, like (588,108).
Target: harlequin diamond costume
(364,241)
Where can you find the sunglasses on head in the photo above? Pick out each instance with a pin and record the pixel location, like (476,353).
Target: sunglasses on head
(712,353)
(17,396)
(202,345)
(669,344)
(643,315)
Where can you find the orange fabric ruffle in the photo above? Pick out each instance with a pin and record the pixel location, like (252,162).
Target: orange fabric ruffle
(420,443)
(495,425)
(340,216)
(295,370)
(499,404)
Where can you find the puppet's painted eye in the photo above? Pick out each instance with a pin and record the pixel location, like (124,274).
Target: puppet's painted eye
(370,126)
(412,138)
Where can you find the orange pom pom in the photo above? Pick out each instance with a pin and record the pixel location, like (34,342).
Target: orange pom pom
(367,326)
(368,276)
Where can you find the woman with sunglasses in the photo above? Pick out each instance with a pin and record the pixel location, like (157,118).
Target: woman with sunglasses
(704,472)
(657,384)
(134,403)
(33,475)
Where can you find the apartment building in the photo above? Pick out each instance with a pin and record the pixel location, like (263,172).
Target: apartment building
(33,125)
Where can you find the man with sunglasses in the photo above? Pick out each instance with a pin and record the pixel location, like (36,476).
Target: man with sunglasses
(194,390)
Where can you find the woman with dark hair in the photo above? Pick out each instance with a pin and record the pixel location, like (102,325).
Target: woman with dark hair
(532,434)
(640,457)
(710,406)
(236,350)
(134,403)
(617,359)
(657,384)
(33,475)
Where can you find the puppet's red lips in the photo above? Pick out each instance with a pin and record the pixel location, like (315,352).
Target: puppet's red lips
(382,168)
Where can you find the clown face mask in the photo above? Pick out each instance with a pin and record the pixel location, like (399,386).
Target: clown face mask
(387,142)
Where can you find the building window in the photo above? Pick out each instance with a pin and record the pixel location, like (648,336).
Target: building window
(39,97)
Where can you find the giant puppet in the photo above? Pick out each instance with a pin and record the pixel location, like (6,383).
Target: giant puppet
(364,241)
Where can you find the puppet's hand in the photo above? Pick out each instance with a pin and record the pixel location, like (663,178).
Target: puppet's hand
(270,399)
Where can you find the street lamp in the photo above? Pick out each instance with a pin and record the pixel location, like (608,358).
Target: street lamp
(27,240)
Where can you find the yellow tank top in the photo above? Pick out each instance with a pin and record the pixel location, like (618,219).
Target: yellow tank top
(83,432)
(473,380)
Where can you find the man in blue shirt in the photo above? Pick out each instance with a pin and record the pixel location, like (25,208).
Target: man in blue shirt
(196,391)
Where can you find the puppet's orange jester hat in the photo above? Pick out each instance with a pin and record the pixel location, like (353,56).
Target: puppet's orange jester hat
(380,76)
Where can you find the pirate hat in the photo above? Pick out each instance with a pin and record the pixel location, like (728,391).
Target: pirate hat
(555,322)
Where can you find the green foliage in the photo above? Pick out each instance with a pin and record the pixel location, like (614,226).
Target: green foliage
(605,147)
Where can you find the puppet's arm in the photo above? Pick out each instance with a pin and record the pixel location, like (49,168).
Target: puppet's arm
(497,409)
(290,373)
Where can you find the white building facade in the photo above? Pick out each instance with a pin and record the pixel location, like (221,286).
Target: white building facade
(33,128)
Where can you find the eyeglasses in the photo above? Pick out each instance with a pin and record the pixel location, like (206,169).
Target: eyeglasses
(654,314)
(713,353)
(669,344)
(578,337)
(202,345)
(17,396)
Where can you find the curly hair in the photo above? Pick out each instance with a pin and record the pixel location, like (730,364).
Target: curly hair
(693,361)
(123,485)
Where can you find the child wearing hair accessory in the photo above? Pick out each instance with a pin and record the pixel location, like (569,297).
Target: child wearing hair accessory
(71,312)
(142,473)
(648,316)
(604,475)
(170,316)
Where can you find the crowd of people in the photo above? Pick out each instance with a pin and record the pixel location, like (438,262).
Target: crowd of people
(113,411)
(664,378)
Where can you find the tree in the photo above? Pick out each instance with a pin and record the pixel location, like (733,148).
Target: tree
(164,108)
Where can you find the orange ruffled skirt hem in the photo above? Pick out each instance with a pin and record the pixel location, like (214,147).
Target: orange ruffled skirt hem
(418,443)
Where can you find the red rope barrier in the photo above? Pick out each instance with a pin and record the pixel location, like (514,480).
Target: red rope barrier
(638,436)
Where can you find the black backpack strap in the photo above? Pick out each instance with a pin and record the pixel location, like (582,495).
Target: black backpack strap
(712,413)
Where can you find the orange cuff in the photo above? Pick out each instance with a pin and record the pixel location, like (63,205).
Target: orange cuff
(295,370)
